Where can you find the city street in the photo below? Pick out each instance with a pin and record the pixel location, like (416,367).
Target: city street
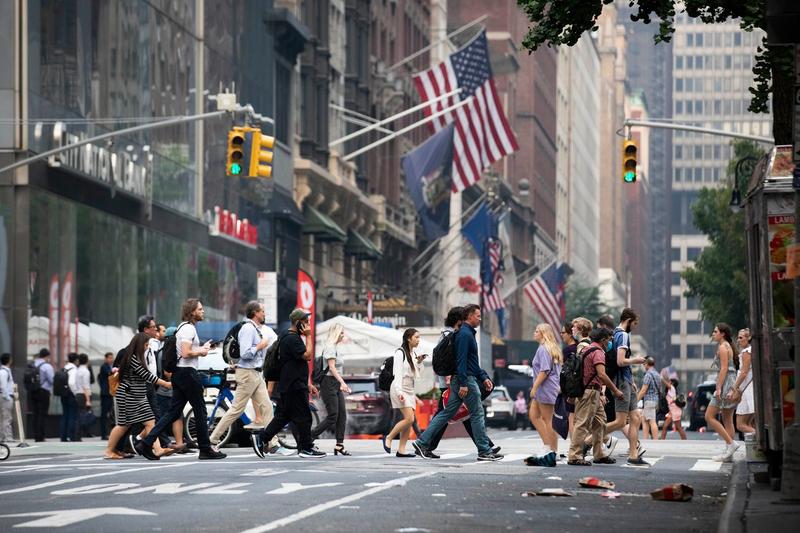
(69,487)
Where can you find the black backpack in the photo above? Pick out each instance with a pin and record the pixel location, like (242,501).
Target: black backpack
(444,355)
(272,362)
(612,368)
(386,375)
(230,346)
(61,384)
(169,352)
(31,378)
(320,369)
(571,378)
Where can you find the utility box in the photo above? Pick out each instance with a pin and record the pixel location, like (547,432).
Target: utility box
(770,226)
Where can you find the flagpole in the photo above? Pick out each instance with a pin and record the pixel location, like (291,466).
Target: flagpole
(438,42)
(441,240)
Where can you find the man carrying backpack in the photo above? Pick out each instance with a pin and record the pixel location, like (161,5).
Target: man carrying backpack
(625,407)
(253,340)
(590,417)
(69,404)
(186,384)
(293,356)
(39,382)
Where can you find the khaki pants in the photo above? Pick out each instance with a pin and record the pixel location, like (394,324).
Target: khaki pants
(590,419)
(249,386)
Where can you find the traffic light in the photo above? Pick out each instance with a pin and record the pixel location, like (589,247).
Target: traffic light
(629,155)
(236,152)
(261,156)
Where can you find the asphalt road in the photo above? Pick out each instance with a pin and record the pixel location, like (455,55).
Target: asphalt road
(69,487)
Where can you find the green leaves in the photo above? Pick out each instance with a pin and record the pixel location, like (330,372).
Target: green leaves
(583,300)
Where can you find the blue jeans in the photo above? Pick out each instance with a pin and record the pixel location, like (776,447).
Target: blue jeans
(69,417)
(476,420)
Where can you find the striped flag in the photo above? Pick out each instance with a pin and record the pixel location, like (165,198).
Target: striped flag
(492,299)
(483,134)
(546,293)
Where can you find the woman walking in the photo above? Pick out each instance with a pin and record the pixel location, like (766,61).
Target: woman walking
(726,362)
(675,412)
(546,370)
(407,368)
(332,389)
(131,405)
(743,388)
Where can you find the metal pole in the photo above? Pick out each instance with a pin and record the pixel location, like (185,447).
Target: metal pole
(437,42)
(112,134)
(683,127)
(432,245)
(398,133)
(401,114)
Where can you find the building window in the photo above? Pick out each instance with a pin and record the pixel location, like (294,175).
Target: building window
(698,62)
(689,84)
(698,152)
(678,62)
(728,62)
(678,85)
(737,39)
(678,107)
(690,40)
(678,151)
(698,39)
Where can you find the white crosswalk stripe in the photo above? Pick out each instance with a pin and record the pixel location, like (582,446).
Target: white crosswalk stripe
(706,465)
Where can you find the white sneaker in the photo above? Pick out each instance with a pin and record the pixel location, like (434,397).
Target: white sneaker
(610,444)
(721,458)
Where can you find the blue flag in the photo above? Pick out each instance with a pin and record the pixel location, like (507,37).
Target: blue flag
(427,171)
(482,227)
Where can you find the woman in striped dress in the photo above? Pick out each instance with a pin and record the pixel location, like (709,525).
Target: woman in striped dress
(131,405)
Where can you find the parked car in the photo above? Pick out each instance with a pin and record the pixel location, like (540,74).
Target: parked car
(499,408)
(698,403)
(369,410)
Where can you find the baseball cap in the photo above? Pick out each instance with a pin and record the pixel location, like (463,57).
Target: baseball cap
(298,314)
(170,331)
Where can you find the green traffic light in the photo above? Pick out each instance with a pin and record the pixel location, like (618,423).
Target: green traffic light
(236,169)
(629,177)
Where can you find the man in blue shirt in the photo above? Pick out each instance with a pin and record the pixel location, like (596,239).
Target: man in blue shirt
(464,389)
(40,398)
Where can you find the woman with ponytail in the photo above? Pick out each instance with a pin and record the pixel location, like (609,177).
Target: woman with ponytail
(726,363)
(407,369)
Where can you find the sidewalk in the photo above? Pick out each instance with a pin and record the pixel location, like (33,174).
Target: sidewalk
(754,507)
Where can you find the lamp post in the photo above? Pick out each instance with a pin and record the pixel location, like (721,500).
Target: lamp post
(744,168)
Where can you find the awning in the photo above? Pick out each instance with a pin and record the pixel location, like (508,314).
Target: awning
(361,247)
(322,227)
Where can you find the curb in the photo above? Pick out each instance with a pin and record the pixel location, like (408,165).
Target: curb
(732,519)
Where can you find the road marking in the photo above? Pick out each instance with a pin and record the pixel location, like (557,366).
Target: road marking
(168,488)
(68,517)
(513,457)
(453,455)
(230,488)
(27,468)
(706,465)
(322,507)
(29,460)
(81,478)
(288,488)
(97,488)
(264,472)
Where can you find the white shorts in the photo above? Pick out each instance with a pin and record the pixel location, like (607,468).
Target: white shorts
(747,405)
(649,411)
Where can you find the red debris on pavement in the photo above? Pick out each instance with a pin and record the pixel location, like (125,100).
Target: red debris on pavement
(677,492)
(596,483)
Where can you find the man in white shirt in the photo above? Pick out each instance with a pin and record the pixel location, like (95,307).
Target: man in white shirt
(254,339)
(6,398)
(69,405)
(186,385)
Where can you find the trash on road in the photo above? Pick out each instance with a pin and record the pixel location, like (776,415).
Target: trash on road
(677,492)
(547,492)
(610,494)
(596,483)
(554,478)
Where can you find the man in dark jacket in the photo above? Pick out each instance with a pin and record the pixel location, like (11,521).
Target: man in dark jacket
(464,388)
(106,400)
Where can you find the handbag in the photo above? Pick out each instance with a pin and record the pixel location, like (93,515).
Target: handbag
(86,418)
(113,383)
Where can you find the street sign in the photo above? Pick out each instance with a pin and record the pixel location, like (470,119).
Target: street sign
(267,294)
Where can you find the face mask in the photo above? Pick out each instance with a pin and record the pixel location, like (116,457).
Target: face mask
(609,346)
(576,337)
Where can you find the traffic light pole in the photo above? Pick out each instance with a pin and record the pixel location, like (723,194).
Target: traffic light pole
(685,127)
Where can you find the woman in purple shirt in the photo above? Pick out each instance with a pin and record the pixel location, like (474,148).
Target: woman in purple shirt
(546,371)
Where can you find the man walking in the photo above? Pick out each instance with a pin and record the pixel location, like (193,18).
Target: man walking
(649,392)
(254,339)
(106,400)
(464,389)
(40,394)
(625,407)
(69,403)
(6,398)
(186,385)
(293,386)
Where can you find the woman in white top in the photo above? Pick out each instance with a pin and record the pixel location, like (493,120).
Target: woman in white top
(407,369)
(743,388)
(333,389)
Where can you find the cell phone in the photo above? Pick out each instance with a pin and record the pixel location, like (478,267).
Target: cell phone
(214,342)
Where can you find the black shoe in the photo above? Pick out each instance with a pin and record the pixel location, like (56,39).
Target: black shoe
(255,440)
(434,455)
(638,462)
(405,455)
(132,441)
(211,453)
(608,460)
(425,453)
(191,444)
(489,456)
(146,450)
(312,453)
(496,449)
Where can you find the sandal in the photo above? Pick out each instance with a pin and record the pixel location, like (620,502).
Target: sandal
(339,449)
(605,461)
(113,457)
(579,462)
(166,452)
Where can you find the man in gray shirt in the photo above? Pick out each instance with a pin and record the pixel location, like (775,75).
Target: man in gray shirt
(254,339)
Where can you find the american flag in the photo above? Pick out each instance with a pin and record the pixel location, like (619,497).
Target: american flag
(546,293)
(482,134)
(492,300)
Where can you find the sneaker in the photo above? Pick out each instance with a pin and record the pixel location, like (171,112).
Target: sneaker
(489,456)
(312,453)
(496,449)
(211,453)
(722,458)
(132,440)
(638,462)
(272,450)
(550,459)
(607,460)
(434,455)
(610,444)
(425,453)
(639,450)
(255,441)
(534,460)
(145,450)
